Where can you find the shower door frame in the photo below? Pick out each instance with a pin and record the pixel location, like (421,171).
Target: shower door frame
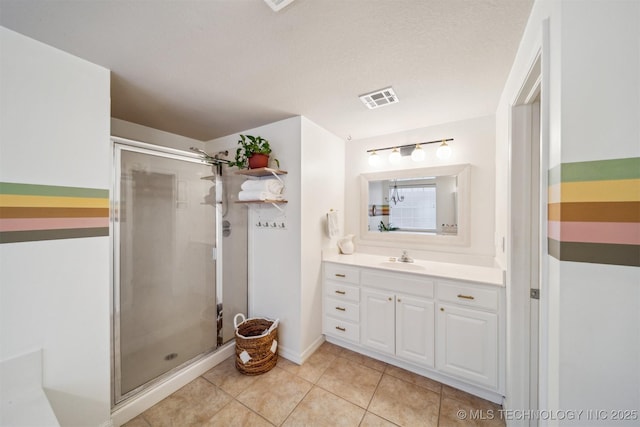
(118,145)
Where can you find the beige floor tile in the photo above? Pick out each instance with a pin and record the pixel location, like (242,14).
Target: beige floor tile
(228,378)
(192,405)
(328,347)
(136,422)
(351,381)
(237,415)
(404,403)
(372,420)
(312,368)
(412,378)
(469,399)
(454,413)
(320,408)
(362,359)
(275,394)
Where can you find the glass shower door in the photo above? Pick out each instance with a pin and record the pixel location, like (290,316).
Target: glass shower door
(166,307)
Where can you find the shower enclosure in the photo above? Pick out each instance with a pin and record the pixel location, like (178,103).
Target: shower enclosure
(175,236)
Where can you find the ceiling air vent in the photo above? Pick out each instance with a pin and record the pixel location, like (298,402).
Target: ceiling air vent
(276,5)
(379,98)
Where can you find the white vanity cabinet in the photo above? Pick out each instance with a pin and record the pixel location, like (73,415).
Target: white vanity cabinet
(448,329)
(341,302)
(398,322)
(467,335)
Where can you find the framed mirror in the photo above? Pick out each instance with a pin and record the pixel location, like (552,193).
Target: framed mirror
(423,206)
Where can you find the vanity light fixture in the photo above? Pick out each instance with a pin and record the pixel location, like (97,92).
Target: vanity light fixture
(374,158)
(395,156)
(444,151)
(417,155)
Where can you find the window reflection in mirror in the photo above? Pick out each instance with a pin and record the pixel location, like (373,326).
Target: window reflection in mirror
(423,205)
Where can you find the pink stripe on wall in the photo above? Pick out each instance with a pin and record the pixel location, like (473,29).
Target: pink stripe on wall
(24,224)
(622,233)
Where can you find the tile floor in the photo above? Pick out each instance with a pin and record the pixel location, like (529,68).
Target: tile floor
(334,387)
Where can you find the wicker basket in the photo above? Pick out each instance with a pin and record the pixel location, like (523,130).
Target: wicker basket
(256,344)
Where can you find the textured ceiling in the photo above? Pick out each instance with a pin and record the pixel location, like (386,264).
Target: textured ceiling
(206,69)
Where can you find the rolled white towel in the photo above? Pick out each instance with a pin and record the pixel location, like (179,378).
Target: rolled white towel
(271,185)
(258,195)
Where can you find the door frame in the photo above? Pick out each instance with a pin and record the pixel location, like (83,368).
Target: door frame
(520,220)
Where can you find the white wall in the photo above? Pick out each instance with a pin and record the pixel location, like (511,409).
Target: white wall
(591,327)
(274,254)
(54,130)
(474,143)
(323,165)
(285,265)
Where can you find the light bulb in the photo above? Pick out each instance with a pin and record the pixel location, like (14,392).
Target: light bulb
(395,156)
(444,151)
(417,155)
(374,159)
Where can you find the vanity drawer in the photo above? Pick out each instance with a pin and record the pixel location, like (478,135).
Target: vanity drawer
(342,292)
(468,295)
(342,329)
(341,273)
(342,309)
(399,282)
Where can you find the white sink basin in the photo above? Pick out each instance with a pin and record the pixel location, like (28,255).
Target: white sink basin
(402,265)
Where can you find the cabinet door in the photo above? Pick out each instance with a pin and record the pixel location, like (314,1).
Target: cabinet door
(467,344)
(415,330)
(377,325)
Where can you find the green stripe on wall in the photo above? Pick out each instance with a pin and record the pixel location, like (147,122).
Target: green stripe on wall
(36,235)
(51,190)
(600,170)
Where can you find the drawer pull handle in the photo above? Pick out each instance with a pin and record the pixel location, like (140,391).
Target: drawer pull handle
(341,308)
(340,328)
(340,292)
(340,275)
(465,296)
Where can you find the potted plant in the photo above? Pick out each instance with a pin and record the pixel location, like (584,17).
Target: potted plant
(253,152)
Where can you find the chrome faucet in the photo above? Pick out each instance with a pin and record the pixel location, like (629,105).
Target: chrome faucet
(405,257)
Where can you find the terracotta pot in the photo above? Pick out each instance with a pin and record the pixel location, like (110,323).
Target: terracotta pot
(258,161)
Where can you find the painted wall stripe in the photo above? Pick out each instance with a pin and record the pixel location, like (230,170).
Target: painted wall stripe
(30,212)
(623,233)
(46,212)
(22,224)
(595,211)
(601,170)
(49,201)
(597,253)
(622,190)
(36,235)
(51,190)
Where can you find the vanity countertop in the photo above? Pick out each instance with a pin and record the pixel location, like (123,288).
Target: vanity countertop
(468,272)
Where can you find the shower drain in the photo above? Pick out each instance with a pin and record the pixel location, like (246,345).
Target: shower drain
(171,356)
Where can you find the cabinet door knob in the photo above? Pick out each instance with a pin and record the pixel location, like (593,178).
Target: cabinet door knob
(341,308)
(340,328)
(390,298)
(340,292)
(399,300)
(441,309)
(465,296)
(340,275)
